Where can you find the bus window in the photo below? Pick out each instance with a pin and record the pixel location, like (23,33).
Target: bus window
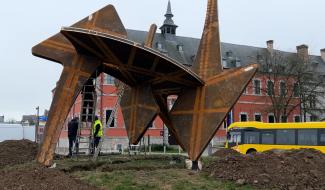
(307,136)
(286,137)
(267,137)
(251,137)
(321,137)
(234,137)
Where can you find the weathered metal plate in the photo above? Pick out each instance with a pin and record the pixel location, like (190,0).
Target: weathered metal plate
(139,110)
(77,70)
(147,66)
(208,58)
(198,112)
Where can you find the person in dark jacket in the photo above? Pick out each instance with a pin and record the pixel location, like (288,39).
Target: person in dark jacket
(72,133)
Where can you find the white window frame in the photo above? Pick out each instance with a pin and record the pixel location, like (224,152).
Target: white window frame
(266,87)
(268,117)
(153,125)
(281,118)
(293,93)
(294,118)
(243,113)
(105,80)
(282,81)
(245,90)
(259,115)
(260,94)
(115,118)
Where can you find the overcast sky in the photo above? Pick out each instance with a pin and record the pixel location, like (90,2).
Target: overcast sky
(26,81)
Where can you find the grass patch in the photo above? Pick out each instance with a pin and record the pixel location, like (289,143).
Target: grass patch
(162,179)
(145,172)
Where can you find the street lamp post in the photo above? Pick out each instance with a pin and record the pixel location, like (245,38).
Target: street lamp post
(37,124)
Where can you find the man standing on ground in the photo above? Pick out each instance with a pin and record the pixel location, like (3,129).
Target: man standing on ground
(72,133)
(97,131)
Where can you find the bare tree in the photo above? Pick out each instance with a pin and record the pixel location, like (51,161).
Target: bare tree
(290,84)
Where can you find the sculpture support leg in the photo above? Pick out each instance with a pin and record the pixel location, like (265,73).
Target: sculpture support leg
(71,81)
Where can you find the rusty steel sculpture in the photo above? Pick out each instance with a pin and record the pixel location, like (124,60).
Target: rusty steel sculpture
(99,42)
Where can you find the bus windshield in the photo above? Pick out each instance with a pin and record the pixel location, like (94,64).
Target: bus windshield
(234,137)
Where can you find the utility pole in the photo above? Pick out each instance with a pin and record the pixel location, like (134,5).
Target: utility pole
(37,125)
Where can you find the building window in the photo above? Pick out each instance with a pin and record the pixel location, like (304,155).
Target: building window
(151,125)
(243,117)
(296,90)
(168,30)
(258,117)
(271,118)
(285,137)
(312,101)
(307,137)
(224,125)
(180,48)
(224,63)
(109,80)
(159,45)
(284,119)
(283,88)
(257,87)
(245,91)
(173,31)
(313,118)
(108,114)
(270,88)
(297,118)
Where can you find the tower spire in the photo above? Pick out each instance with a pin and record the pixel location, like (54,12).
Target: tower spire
(169,27)
(169,10)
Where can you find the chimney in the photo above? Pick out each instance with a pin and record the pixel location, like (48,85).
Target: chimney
(302,52)
(269,45)
(322,53)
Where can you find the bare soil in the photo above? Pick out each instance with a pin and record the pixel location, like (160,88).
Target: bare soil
(18,172)
(33,176)
(17,152)
(296,169)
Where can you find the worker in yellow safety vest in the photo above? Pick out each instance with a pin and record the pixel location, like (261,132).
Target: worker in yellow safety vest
(97,131)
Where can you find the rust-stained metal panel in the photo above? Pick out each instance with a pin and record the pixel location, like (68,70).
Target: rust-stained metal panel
(139,110)
(71,81)
(77,69)
(147,66)
(198,112)
(206,94)
(151,35)
(208,58)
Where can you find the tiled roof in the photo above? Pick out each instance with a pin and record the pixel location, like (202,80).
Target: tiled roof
(243,53)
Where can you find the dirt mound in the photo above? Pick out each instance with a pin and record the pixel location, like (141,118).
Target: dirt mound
(296,169)
(225,152)
(17,152)
(37,177)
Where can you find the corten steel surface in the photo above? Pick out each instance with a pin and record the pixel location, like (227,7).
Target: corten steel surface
(99,42)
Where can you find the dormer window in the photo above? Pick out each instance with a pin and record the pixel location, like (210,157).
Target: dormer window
(159,45)
(238,62)
(180,48)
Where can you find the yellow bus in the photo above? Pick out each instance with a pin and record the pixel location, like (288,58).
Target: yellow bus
(249,137)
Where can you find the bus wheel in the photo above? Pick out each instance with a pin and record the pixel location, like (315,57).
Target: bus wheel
(251,151)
